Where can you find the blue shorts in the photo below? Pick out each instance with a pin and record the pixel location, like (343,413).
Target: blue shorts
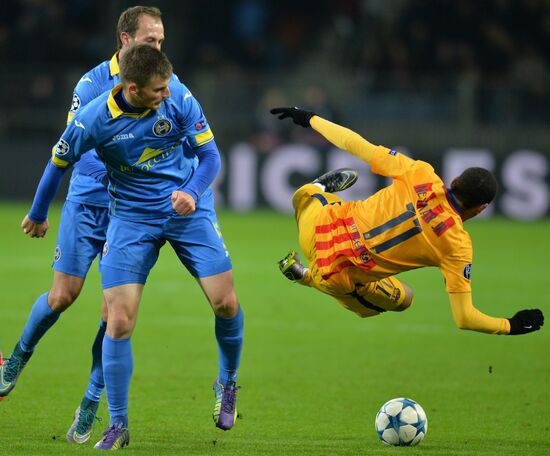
(132,247)
(81,234)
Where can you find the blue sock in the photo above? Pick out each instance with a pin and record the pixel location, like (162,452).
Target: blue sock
(229,334)
(118,365)
(41,318)
(96,383)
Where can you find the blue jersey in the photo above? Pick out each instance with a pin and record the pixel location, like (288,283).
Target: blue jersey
(144,152)
(85,189)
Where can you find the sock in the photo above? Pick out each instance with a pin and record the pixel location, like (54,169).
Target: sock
(229,334)
(87,404)
(118,365)
(96,383)
(41,318)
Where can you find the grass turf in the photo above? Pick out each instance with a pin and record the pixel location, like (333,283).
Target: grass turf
(313,374)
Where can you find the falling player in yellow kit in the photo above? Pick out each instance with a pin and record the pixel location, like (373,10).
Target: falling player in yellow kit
(356,248)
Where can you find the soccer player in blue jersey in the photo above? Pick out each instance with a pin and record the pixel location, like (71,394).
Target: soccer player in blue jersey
(83,227)
(159,191)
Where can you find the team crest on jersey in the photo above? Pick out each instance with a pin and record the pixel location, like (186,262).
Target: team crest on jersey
(467,271)
(62,147)
(57,254)
(105,250)
(162,127)
(75,104)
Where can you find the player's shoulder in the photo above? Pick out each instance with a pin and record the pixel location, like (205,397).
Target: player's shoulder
(96,110)
(96,77)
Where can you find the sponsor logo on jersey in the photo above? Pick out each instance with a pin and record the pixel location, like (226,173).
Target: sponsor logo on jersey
(61,148)
(467,271)
(79,125)
(75,104)
(57,254)
(162,127)
(150,157)
(105,250)
(187,95)
(123,137)
(200,125)
(392,152)
(85,79)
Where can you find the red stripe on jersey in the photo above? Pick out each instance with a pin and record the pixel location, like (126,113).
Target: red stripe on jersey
(346,264)
(322,262)
(440,228)
(325,245)
(424,202)
(429,215)
(332,226)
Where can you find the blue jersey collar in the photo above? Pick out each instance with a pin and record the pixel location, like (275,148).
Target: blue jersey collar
(453,201)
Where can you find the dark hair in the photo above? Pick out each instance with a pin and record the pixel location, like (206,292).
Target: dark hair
(142,62)
(475,186)
(128,21)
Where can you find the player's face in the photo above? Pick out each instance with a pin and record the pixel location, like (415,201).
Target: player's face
(153,93)
(150,31)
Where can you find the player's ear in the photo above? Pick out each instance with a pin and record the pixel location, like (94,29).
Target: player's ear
(132,88)
(125,38)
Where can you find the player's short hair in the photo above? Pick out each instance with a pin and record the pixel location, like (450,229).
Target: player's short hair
(142,62)
(475,186)
(128,21)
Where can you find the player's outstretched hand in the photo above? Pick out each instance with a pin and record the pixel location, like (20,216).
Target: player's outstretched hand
(183,203)
(34,229)
(526,321)
(299,116)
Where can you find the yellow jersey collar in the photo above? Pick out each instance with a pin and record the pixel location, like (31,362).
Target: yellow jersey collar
(115,109)
(113,65)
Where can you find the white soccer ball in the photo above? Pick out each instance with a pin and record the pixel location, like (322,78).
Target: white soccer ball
(401,422)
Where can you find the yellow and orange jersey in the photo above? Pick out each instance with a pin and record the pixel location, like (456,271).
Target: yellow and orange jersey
(414,222)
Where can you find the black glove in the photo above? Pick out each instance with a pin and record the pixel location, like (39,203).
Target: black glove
(299,116)
(526,321)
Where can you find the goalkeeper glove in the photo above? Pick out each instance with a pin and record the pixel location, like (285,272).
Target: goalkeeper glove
(526,321)
(299,116)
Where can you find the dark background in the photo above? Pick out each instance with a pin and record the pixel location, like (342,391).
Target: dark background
(429,75)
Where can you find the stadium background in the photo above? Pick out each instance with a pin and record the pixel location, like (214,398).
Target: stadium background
(454,83)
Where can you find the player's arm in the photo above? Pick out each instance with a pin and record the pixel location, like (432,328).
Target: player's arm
(466,316)
(341,137)
(64,153)
(184,200)
(199,136)
(35,223)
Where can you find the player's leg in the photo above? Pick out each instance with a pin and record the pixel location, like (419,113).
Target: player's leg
(81,428)
(76,248)
(82,233)
(229,330)
(372,298)
(130,252)
(308,200)
(198,242)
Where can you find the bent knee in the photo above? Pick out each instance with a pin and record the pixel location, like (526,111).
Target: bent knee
(60,299)
(407,301)
(227,306)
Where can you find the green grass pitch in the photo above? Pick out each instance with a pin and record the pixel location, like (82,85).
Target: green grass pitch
(313,375)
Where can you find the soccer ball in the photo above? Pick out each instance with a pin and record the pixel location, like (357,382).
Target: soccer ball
(401,422)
